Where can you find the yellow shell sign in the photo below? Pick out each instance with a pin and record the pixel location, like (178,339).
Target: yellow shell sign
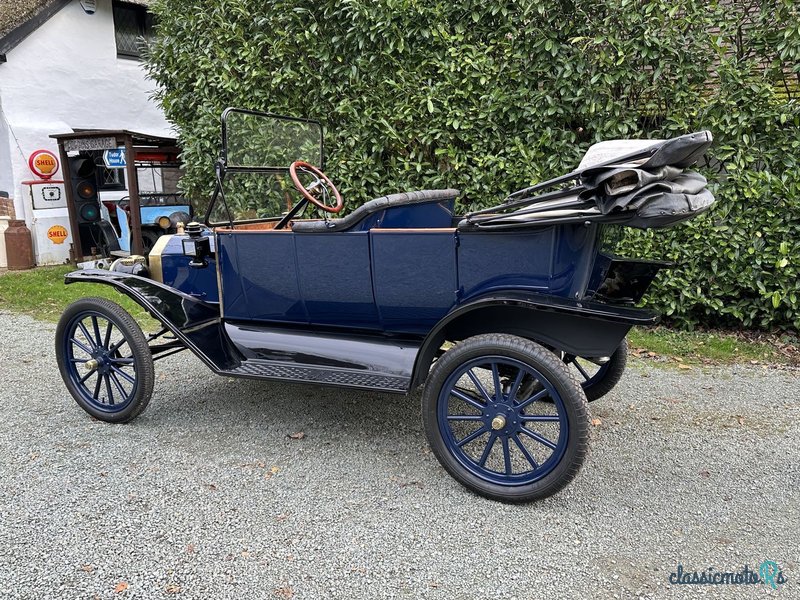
(43,163)
(57,234)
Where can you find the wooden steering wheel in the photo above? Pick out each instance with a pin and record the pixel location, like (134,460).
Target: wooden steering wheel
(321,189)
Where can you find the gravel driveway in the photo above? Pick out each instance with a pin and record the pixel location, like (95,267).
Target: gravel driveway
(205,496)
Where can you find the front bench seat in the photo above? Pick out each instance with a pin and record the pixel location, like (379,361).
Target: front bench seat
(373,206)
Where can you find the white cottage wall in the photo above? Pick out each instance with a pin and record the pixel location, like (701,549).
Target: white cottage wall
(62,77)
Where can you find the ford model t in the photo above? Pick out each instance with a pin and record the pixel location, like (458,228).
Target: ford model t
(510,317)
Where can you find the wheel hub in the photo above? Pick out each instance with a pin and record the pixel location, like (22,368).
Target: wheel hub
(498,422)
(100,361)
(506,418)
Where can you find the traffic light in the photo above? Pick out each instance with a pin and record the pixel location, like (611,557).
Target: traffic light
(83,179)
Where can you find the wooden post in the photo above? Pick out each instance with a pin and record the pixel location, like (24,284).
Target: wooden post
(66,175)
(133,193)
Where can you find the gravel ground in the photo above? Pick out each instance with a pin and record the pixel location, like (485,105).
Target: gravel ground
(205,496)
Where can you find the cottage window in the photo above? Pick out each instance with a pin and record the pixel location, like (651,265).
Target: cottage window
(133,26)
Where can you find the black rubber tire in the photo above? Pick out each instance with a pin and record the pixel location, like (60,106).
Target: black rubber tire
(616,367)
(149,239)
(554,370)
(136,341)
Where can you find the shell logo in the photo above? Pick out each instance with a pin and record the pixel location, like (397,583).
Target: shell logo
(43,163)
(57,234)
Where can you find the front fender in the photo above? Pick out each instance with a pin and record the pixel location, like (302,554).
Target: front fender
(195,323)
(581,328)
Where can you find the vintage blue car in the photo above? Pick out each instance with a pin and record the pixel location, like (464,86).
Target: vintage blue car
(509,317)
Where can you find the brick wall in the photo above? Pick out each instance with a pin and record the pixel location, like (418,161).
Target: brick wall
(7,208)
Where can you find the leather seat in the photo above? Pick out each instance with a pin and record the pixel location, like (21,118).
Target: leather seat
(373,206)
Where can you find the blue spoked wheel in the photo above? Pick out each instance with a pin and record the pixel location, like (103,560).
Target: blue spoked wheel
(597,379)
(104,360)
(506,418)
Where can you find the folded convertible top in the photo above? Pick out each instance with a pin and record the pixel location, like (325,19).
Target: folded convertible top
(637,183)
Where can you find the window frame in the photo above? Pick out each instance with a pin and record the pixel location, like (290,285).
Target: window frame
(144,21)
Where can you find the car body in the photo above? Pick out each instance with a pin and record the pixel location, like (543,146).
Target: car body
(399,292)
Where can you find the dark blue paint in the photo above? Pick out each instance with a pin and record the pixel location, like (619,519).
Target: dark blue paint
(176,272)
(265,287)
(111,386)
(473,450)
(201,283)
(554,260)
(401,260)
(390,279)
(324,263)
(427,215)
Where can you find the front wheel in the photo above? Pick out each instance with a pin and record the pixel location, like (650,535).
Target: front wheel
(104,360)
(493,436)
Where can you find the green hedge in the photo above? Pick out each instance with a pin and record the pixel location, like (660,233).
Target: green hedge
(492,96)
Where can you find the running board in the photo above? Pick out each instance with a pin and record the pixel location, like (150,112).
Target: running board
(265,369)
(335,359)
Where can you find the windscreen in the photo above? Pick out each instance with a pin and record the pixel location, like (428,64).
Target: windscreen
(258,140)
(254,197)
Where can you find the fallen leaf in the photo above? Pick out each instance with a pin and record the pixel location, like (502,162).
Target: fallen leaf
(596,422)
(173,588)
(121,587)
(297,436)
(284,591)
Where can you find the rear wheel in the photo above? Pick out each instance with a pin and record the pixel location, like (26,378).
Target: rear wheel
(104,360)
(493,437)
(597,380)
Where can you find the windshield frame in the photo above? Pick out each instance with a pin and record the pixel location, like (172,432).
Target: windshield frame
(222,167)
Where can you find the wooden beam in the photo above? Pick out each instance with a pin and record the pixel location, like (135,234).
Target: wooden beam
(133,194)
(66,175)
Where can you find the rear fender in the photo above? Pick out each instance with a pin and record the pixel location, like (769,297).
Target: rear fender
(589,329)
(195,323)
